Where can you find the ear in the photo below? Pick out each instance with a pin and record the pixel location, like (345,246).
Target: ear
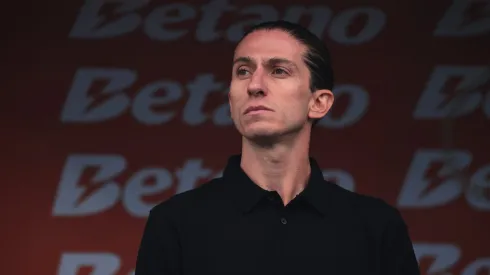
(320,104)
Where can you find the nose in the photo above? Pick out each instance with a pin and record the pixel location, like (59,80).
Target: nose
(257,86)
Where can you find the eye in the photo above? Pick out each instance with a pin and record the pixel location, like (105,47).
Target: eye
(279,71)
(242,72)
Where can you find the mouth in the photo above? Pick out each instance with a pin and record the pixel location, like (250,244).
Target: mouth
(256,109)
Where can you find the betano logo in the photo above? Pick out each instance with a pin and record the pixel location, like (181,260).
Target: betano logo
(443,257)
(150,105)
(164,22)
(79,196)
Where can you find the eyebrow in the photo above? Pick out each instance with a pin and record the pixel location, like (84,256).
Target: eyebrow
(270,61)
(243,59)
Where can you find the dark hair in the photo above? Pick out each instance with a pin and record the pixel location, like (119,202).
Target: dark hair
(317,57)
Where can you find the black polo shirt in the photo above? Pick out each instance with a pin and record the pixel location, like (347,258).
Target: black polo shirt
(232,226)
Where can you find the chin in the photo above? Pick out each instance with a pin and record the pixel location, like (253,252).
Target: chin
(262,132)
(259,131)
(269,132)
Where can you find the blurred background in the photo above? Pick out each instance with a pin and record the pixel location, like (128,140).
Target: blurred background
(112,106)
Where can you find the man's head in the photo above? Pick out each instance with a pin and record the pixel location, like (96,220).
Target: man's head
(286,69)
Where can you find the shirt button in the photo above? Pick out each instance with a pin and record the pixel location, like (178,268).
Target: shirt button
(284,221)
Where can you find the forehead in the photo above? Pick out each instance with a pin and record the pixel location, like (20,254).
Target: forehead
(270,43)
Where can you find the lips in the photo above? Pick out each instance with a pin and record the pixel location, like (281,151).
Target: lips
(256,108)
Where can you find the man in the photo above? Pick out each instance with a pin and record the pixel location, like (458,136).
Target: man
(272,212)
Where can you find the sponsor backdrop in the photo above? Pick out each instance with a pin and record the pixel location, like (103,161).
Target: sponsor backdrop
(114,106)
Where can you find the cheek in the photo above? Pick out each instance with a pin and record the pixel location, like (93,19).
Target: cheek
(234,101)
(299,102)
(297,94)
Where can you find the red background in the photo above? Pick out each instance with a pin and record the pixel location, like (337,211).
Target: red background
(394,68)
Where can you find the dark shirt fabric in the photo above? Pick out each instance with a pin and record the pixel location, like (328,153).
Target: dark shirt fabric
(230,225)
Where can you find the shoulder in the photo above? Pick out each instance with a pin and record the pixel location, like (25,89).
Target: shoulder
(374,211)
(205,196)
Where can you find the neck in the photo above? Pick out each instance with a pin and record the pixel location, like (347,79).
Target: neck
(283,166)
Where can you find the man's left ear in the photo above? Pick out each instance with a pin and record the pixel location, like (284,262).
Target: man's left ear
(321,102)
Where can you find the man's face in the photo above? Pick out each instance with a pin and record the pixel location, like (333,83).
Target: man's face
(269,73)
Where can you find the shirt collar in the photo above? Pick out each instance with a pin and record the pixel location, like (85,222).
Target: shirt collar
(245,194)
